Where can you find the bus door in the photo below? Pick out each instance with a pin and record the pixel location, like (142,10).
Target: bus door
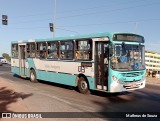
(22,59)
(101,65)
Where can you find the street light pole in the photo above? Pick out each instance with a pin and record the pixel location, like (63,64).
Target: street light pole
(54,18)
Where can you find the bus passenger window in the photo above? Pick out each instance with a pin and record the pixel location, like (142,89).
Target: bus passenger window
(66,50)
(41,50)
(31,50)
(14,50)
(42,54)
(53,50)
(83,50)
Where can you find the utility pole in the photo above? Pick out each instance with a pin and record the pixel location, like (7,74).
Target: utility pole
(54,19)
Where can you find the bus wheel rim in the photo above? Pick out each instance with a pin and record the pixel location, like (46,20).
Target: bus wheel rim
(83,85)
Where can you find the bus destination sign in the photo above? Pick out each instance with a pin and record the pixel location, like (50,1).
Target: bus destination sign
(128,37)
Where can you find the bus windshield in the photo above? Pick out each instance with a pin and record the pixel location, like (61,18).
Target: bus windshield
(128,57)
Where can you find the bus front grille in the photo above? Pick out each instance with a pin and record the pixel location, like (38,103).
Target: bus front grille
(135,74)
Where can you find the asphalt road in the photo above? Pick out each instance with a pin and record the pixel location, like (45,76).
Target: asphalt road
(50,97)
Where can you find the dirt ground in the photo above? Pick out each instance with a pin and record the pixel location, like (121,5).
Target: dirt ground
(153,80)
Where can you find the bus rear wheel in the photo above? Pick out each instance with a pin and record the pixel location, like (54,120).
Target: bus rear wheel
(83,86)
(33,77)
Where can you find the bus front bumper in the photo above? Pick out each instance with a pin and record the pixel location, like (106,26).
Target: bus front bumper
(118,87)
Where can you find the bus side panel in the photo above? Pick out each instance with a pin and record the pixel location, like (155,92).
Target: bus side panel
(15,70)
(60,78)
(31,63)
(91,83)
(15,66)
(59,71)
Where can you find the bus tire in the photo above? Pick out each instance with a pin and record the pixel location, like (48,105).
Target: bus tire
(83,85)
(33,77)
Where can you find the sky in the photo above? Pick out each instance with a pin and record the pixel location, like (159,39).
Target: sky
(29,19)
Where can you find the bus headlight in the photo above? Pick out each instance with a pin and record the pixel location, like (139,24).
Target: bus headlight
(114,78)
(114,84)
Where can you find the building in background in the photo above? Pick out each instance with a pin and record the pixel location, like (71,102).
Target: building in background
(152,60)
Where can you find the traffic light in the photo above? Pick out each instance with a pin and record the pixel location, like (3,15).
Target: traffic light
(4,20)
(51,26)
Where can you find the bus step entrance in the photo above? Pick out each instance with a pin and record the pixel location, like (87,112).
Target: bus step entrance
(100,87)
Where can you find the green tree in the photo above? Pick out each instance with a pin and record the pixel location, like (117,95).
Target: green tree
(7,57)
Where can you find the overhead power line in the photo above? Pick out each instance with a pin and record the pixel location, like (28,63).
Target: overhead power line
(67,30)
(69,11)
(31,28)
(118,22)
(102,12)
(106,5)
(31,15)
(31,21)
(78,15)
(94,24)
(99,12)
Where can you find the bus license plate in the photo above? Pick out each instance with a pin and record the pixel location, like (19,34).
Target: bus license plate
(134,86)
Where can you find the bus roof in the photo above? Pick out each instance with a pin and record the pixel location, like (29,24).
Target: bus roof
(73,37)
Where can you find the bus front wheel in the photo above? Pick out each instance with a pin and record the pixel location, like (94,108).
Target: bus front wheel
(33,77)
(82,85)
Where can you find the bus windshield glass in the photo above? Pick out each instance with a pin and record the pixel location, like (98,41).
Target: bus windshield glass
(128,57)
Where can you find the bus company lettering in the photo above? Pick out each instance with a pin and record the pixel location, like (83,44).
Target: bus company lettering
(52,67)
(55,67)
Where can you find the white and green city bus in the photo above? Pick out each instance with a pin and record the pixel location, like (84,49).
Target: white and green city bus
(111,62)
